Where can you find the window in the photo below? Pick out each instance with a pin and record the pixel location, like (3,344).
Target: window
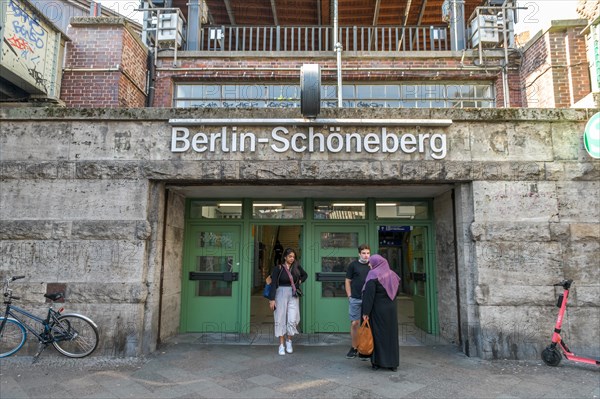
(401,210)
(400,95)
(215,210)
(278,210)
(339,210)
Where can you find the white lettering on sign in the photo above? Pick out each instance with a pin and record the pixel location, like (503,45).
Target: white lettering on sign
(334,141)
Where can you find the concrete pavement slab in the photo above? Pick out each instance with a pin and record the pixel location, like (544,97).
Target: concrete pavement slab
(187,367)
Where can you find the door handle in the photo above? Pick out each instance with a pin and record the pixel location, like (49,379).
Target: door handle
(418,276)
(223,276)
(329,277)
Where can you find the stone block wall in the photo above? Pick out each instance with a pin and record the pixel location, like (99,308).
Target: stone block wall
(105,65)
(84,204)
(172,259)
(445,252)
(84,225)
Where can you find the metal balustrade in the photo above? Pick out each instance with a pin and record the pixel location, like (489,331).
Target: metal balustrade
(320,38)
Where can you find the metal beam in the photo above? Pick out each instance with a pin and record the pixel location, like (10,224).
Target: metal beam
(376,13)
(319,12)
(404,19)
(229,12)
(274,11)
(421,12)
(309,122)
(406,12)
(420,18)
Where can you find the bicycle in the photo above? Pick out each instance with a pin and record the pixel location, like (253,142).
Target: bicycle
(73,335)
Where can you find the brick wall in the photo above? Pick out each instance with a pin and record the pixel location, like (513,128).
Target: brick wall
(105,65)
(555,73)
(90,89)
(578,70)
(286,68)
(536,74)
(134,66)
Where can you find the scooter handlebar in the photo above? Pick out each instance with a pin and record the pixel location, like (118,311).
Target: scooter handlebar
(566,284)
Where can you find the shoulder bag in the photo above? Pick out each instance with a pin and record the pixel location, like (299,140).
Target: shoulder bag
(268,288)
(296,291)
(267,291)
(365,339)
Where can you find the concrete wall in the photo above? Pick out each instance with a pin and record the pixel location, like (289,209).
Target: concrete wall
(173,259)
(83,203)
(446,268)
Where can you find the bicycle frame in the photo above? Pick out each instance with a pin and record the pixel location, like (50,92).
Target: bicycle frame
(14,312)
(72,334)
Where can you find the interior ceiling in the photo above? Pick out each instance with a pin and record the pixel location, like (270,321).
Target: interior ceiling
(318,12)
(302,191)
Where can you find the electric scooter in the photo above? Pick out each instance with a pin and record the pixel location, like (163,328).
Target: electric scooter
(552,355)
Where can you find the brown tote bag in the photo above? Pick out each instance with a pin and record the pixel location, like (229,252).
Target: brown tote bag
(365,339)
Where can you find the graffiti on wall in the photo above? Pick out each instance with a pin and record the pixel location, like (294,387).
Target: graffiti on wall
(27,48)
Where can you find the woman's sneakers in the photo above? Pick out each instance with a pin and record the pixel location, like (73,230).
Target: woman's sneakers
(286,348)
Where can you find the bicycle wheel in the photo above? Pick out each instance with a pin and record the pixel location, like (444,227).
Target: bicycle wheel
(74,335)
(12,336)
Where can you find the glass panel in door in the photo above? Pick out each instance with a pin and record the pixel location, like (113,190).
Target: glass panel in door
(334,249)
(418,275)
(211,279)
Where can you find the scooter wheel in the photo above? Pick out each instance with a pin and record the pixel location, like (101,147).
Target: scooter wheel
(551,356)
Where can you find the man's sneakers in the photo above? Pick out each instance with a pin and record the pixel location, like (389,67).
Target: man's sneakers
(352,353)
(281,349)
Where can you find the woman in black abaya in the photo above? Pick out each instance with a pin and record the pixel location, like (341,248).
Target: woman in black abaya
(379,307)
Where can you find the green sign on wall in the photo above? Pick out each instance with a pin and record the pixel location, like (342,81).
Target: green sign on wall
(591,136)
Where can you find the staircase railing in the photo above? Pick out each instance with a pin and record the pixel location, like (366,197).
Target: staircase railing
(320,38)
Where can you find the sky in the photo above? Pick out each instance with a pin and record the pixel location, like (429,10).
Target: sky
(535,17)
(124,7)
(541,12)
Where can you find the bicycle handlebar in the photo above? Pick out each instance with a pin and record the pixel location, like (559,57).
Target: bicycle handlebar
(8,291)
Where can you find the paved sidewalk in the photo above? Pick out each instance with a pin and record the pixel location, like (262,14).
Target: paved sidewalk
(187,367)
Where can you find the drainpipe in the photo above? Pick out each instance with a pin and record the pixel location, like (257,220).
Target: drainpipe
(505,86)
(457,25)
(151,75)
(505,20)
(338,52)
(95,9)
(194,25)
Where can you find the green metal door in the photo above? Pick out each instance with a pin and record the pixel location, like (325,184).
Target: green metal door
(335,247)
(419,276)
(211,289)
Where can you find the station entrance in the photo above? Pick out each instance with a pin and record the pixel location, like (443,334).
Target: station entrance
(231,246)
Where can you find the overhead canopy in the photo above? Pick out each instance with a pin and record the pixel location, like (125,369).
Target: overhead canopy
(319,12)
